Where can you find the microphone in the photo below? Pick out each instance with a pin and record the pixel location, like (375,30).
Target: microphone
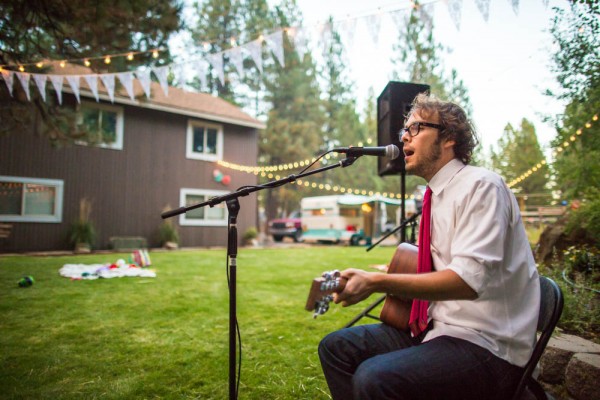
(391,151)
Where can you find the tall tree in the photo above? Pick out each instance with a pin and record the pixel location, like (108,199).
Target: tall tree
(577,65)
(218,29)
(518,152)
(295,120)
(49,30)
(418,59)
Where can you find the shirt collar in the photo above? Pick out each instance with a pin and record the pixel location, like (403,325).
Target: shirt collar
(445,175)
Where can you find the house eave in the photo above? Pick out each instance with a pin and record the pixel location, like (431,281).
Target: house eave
(173,110)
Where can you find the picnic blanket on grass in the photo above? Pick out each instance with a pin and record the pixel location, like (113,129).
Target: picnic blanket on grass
(94,271)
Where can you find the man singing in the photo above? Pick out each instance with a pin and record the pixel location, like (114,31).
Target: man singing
(476,294)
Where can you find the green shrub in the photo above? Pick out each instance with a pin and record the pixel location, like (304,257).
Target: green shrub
(587,220)
(578,275)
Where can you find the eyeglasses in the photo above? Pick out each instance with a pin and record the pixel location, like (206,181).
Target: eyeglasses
(414,128)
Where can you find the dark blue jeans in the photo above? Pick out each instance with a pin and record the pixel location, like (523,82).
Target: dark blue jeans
(371,362)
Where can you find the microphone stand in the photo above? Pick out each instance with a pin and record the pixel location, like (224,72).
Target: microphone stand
(233,207)
(402,225)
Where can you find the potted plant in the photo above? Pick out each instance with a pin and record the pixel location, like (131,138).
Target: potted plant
(167,233)
(169,237)
(82,233)
(250,236)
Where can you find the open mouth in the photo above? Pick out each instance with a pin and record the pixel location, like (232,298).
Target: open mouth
(408,152)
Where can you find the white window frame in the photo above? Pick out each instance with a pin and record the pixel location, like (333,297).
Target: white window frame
(184,221)
(194,155)
(58,200)
(118,143)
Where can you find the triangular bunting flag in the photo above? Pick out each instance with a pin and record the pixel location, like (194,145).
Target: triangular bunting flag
(162,74)
(348,29)
(275,44)
(425,13)
(399,17)
(179,75)
(74,83)
(202,69)
(298,35)
(455,11)
(24,79)
(8,79)
(92,81)
(57,83)
(144,78)
(255,50)
(40,82)
(216,61)
(126,79)
(373,23)
(237,59)
(484,8)
(515,6)
(109,83)
(324,32)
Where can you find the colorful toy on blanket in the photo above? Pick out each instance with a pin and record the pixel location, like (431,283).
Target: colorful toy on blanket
(141,258)
(26,281)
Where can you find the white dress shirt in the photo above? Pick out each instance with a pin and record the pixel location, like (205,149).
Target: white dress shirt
(477,232)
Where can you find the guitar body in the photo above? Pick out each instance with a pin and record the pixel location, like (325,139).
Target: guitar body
(396,310)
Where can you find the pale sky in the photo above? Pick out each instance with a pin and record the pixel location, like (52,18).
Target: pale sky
(504,62)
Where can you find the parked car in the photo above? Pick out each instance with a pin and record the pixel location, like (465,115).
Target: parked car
(290,227)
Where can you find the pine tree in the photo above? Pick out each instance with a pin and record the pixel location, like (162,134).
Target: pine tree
(518,152)
(295,120)
(218,29)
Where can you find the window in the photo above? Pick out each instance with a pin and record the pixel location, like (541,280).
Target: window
(30,199)
(103,125)
(204,141)
(203,216)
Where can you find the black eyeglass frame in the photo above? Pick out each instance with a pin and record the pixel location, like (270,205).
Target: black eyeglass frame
(418,125)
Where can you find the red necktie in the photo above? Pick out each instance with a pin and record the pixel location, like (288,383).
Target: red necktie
(418,312)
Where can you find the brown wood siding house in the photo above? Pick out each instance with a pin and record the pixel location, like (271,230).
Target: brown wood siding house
(153,166)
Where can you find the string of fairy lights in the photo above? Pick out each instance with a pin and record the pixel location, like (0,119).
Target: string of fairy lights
(556,152)
(271,171)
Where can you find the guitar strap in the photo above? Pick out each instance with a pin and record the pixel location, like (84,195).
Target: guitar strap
(418,312)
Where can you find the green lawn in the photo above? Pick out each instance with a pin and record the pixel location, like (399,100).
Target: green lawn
(167,337)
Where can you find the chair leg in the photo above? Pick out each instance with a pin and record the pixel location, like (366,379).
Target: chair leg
(537,390)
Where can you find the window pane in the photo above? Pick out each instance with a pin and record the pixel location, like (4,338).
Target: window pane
(109,126)
(90,118)
(198,144)
(39,199)
(216,212)
(11,194)
(197,213)
(211,141)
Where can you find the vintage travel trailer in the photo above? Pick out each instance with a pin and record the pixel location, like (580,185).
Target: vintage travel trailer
(348,218)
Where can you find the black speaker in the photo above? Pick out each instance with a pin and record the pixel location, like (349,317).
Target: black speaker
(393,104)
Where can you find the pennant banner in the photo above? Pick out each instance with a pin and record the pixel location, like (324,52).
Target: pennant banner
(109,83)
(145,80)
(8,77)
(126,79)
(24,79)
(92,81)
(320,35)
(40,82)
(74,83)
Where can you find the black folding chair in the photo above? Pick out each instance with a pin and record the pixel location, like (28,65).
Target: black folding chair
(551,307)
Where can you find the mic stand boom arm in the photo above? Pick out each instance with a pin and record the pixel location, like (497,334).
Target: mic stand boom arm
(233,207)
(245,191)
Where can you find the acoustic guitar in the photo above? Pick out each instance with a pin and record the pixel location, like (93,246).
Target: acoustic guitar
(395,311)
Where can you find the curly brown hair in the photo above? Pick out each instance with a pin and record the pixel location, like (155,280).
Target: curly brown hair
(456,124)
